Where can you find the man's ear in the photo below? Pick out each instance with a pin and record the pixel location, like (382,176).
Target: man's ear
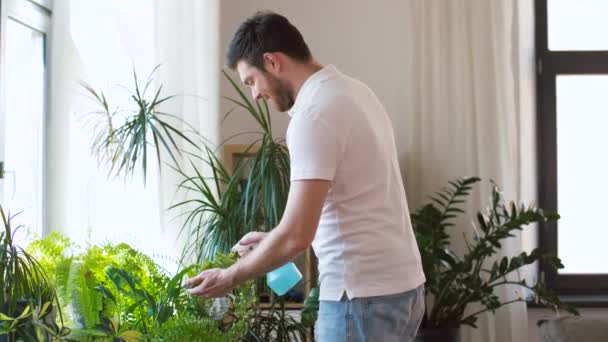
(272,62)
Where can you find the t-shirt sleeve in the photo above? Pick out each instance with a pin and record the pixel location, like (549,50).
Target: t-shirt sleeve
(313,148)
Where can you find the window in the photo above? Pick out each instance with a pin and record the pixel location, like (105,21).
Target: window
(572,50)
(111,38)
(23,84)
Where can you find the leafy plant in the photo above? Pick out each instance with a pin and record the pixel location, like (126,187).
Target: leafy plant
(225,206)
(310,310)
(27,298)
(268,178)
(222,208)
(455,282)
(276,325)
(243,298)
(212,219)
(80,273)
(173,308)
(122,145)
(109,329)
(187,327)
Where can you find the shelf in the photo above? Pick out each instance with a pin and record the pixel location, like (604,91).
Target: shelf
(287,305)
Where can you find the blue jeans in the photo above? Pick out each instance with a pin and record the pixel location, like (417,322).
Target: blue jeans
(391,318)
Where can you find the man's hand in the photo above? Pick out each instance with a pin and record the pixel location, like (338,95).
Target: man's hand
(291,237)
(218,282)
(212,283)
(248,242)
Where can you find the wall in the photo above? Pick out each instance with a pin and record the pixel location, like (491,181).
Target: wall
(365,39)
(360,37)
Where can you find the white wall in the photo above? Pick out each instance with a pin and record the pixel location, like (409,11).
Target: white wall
(364,39)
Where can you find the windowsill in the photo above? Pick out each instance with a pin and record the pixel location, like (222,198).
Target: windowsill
(580,301)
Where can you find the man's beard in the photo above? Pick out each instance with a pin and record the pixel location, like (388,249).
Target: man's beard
(281,93)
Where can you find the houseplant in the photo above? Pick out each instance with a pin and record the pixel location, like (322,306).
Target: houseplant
(455,282)
(124,296)
(77,273)
(122,136)
(28,303)
(220,208)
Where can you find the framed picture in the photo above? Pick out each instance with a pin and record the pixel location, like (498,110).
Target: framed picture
(235,155)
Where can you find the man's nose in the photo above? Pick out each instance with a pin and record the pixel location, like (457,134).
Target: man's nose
(255,94)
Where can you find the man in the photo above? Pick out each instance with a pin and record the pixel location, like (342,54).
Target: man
(346,196)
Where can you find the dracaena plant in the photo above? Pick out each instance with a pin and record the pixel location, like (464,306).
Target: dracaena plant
(122,138)
(454,282)
(221,205)
(224,204)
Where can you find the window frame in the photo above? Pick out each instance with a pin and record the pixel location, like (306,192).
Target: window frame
(35,14)
(549,65)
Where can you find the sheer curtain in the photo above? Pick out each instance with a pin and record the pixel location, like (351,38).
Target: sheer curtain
(100,42)
(471,112)
(187,43)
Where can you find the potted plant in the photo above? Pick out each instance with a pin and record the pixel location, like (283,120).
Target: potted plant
(220,207)
(77,274)
(122,137)
(28,303)
(114,292)
(455,282)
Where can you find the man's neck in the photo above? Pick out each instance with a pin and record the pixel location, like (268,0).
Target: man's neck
(303,73)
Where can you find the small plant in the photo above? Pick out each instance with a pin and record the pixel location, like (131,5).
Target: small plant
(276,325)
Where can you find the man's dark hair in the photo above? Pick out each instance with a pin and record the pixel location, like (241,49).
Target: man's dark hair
(266,32)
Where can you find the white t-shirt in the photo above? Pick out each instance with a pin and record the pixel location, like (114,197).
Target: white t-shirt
(365,244)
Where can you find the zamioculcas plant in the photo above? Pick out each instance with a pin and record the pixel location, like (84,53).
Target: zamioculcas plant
(454,282)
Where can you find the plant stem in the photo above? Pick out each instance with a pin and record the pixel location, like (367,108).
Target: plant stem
(486,309)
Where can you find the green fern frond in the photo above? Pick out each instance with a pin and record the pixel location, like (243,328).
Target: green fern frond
(86,302)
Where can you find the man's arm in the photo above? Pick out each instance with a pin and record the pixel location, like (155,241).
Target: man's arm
(284,243)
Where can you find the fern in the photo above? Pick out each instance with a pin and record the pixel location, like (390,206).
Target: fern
(78,272)
(191,328)
(85,299)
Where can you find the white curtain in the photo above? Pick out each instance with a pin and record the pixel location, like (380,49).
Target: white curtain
(187,38)
(471,112)
(100,42)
